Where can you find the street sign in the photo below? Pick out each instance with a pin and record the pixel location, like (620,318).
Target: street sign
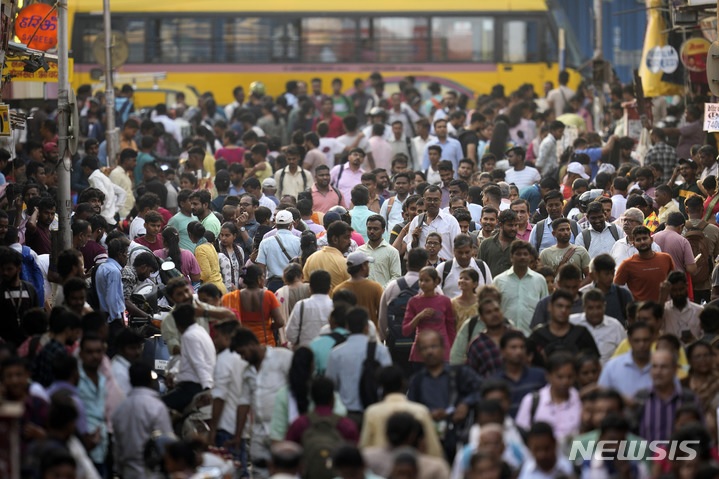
(16,69)
(5,120)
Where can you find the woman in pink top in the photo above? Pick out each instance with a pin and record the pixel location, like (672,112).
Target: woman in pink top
(429,311)
(184,260)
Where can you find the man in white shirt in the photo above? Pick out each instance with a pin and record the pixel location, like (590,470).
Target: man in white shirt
(433,220)
(129,349)
(309,315)
(114,194)
(548,160)
(400,143)
(353,138)
(420,142)
(519,173)
(600,237)
(559,97)
(391,210)
(197,366)
(403,113)
(607,332)
(681,316)
(266,374)
(462,260)
(227,388)
(160,116)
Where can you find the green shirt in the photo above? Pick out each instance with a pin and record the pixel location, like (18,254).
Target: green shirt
(496,257)
(180,222)
(520,296)
(458,354)
(142,160)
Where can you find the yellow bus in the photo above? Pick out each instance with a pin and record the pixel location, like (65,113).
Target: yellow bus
(219,44)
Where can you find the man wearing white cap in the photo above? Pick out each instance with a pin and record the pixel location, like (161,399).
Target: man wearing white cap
(278,250)
(519,173)
(269,188)
(368,292)
(574,170)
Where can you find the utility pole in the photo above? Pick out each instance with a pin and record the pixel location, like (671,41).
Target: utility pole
(64,205)
(113,142)
(598,61)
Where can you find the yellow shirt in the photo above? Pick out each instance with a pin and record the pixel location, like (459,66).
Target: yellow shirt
(210,266)
(328,259)
(664,211)
(683,361)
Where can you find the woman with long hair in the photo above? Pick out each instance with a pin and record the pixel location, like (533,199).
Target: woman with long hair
(293,400)
(231,256)
(184,260)
(259,308)
(206,255)
(500,139)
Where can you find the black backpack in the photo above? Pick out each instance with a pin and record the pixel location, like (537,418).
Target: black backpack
(395,315)
(368,388)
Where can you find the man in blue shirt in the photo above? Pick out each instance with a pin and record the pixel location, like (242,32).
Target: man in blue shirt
(534,194)
(630,372)
(108,282)
(451,148)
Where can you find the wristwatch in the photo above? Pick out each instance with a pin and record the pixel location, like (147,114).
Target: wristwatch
(242,228)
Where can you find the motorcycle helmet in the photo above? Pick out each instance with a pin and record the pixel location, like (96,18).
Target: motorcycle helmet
(257,88)
(342,211)
(587,197)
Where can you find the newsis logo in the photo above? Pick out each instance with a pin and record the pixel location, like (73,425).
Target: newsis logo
(634,450)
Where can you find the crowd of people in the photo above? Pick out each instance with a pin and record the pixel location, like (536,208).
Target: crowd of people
(404,285)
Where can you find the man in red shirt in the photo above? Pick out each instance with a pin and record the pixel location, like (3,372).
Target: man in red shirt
(644,272)
(327,115)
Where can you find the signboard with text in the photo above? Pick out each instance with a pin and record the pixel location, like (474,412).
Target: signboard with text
(16,69)
(711,117)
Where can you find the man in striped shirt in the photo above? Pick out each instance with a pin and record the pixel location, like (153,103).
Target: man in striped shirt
(656,407)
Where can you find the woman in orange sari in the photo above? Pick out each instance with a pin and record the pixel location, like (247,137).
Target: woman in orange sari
(260,311)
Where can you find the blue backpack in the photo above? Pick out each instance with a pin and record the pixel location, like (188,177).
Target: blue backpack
(31,273)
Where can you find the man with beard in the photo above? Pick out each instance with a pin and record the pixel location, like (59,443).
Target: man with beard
(179,291)
(16,296)
(391,210)
(386,266)
(564,252)
(495,250)
(644,272)
(488,222)
(37,234)
(681,316)
(324,195)
(200,201)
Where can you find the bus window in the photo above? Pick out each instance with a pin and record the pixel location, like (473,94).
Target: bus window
(285,40)
(521,41)
(247,40)
(185,40)
(329,40)
(463,39)
(400,40)
(135,34)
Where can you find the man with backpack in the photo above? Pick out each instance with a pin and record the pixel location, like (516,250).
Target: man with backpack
(352,365)
(392,306)
(600,237)
(449,392)
(321,431)
(449,270)
(703,238)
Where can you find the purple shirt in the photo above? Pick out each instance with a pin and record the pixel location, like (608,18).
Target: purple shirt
(346,182)
(677,247)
